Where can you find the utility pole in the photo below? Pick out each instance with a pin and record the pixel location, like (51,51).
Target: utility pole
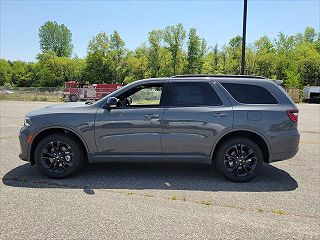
(244,33)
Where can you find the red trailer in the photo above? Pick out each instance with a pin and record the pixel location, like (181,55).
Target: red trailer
(75,91)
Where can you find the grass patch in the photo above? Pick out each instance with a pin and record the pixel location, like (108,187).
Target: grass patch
(176,198)
(23,96)
(205,202)
(279,212)
(173,198)
(148,195)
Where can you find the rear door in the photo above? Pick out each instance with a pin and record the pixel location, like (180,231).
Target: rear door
(198,114)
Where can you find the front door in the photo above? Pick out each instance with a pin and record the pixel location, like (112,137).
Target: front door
(132,129)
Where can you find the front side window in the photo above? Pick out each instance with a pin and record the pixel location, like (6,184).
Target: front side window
(192,94)
(141,96)
(249,94)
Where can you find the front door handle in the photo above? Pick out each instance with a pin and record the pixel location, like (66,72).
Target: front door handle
(149,116)
(220,114)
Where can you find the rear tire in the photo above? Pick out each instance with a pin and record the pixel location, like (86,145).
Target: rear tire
(239,159)
(59,156)
(73,98)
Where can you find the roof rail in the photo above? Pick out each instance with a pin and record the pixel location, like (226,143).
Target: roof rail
(220,76)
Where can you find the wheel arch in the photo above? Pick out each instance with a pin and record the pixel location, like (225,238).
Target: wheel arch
(55,129)
(253,135)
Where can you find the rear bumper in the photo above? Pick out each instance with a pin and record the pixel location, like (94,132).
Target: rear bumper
(285,147)
(275,157)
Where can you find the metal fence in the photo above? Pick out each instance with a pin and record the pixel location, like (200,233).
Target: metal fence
(51,94)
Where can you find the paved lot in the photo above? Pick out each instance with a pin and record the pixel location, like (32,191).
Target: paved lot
(159,201)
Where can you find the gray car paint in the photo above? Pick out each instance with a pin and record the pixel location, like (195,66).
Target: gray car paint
(187,134)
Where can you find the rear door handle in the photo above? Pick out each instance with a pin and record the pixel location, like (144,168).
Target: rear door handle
(149,116)
(220,114)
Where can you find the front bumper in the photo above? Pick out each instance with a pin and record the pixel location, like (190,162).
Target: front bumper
(24,139)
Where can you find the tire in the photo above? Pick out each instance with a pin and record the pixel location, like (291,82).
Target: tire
(73,98)
(59,156)
(236,165)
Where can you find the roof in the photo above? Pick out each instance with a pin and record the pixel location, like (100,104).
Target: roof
(216,76)
(219,78)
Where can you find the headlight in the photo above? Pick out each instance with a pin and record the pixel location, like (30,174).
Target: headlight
(27,121)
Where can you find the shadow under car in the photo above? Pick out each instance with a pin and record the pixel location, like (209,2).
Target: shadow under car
(139,176)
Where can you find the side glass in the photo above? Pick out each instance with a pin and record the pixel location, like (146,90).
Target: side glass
(146,96)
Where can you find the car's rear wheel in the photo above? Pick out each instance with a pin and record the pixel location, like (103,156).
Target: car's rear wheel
(58,156)
(239,159)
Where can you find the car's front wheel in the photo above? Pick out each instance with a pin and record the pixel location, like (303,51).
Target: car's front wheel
(58,156)
(239,159)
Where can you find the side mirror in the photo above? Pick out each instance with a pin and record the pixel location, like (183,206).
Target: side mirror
(129,100)
(112,102)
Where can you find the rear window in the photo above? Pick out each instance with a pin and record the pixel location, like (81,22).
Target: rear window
(249,94)
(192,94)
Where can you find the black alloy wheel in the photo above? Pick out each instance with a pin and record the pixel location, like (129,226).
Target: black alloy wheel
(59,155)
(239,159)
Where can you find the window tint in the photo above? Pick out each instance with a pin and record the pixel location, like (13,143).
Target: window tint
(194,94)
(250,94)
(147,96)
(141,96)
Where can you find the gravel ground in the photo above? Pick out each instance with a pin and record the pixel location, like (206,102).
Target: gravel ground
(159,201)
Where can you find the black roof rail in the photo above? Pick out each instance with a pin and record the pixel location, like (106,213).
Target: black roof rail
(220,76)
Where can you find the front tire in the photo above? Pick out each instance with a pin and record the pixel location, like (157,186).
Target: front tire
(58,156)
(239,159)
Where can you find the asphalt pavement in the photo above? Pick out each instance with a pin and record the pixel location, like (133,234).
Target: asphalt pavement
(159,201)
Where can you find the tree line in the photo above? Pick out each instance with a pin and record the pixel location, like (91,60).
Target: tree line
(169,51)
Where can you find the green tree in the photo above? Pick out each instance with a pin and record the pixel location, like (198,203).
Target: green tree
(193,51)
(5,72)
(56,38)
(317,43)
(307,61)
(117,53)
(137,64)
(98,67)
(53,72)
(19,70)
(174,37)
(202,53)
(215,56)
(264,64)
(309,34)
(233,58)
(155,38)
(105,59)
(165,67)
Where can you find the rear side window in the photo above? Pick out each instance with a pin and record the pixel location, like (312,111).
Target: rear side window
(249,94)
(192,94)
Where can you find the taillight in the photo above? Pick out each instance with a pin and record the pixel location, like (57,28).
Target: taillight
(293,115)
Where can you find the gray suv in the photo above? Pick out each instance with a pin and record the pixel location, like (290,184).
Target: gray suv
(236,123)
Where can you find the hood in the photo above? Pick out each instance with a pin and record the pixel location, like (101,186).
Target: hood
(66,105)
(59,108)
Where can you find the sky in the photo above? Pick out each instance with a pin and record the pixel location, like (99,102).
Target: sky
(216,21)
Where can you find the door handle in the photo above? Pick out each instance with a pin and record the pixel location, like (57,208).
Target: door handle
(149,116)
(220,114)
